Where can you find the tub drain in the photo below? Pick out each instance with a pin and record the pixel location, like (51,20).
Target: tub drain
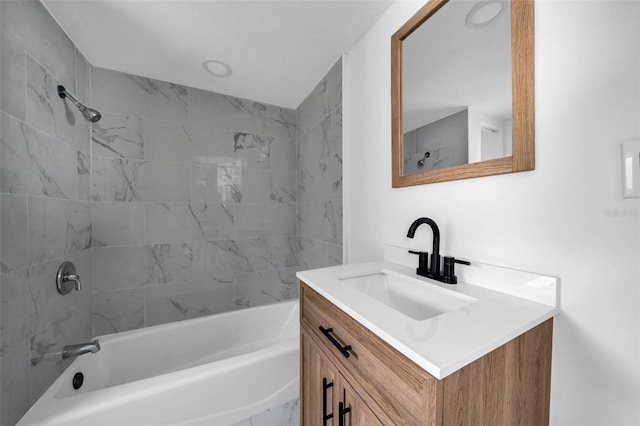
(78,379)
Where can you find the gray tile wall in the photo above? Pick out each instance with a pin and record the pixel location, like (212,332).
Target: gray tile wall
(45,209)
(446,140)
(193,202)
(178,203)
(319,140)
(287,414)
(2,71)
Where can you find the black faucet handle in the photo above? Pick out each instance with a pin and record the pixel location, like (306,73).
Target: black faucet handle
(423,261)
(449,275)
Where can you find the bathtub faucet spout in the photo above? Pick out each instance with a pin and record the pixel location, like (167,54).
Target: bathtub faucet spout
(72,351)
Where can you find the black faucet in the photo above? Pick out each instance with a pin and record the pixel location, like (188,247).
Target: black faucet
(448,275)
(435,251)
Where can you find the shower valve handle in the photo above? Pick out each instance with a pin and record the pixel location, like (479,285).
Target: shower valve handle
(67,279)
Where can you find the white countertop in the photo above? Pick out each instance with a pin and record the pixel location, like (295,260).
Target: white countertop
(445,343)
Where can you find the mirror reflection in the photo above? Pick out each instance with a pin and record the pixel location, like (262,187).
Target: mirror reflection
(456,87)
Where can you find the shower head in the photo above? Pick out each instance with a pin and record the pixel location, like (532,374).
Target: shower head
(89,113)
(421,161)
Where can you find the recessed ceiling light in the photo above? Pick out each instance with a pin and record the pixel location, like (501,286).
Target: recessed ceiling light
(217,68)
(484,13)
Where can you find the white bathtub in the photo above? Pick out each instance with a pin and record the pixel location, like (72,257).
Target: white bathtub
(215,370)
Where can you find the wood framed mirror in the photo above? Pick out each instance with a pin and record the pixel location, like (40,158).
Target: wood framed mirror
(470,111)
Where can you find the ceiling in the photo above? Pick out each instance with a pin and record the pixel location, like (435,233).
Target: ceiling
(278,49)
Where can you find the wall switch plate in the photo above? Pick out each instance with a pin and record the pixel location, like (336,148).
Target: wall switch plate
(631,169)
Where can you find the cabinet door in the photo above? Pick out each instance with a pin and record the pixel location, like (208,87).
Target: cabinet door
(351,410)
(319,386)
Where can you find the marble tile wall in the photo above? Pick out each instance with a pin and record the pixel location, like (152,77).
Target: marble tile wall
(193,202)
(287,414)
(446,140)
(45,205)
(2,71)
(319,200)
(178,203)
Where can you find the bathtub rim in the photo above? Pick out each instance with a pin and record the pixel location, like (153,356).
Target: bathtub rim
(125,335)
(158,383)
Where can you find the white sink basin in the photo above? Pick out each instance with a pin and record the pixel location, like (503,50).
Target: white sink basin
(409,296)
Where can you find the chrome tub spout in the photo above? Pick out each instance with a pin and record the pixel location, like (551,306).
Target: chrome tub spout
(72,351)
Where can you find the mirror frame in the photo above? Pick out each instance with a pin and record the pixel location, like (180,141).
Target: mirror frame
(522,81)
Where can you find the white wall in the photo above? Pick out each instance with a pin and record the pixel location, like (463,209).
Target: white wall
(567,218)
(483,144)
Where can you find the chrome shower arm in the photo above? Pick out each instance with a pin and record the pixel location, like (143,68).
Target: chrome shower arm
(89,113)
(62,92)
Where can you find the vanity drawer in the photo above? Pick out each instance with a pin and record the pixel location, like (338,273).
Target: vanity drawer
(393,386)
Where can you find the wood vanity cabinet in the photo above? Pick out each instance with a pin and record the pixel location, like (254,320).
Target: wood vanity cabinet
(328,397)
(377,385)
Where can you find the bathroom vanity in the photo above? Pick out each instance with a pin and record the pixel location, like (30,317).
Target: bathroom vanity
(380,345)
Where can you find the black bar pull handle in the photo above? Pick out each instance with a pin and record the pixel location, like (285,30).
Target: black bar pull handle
(342,411)
(325,416)
(344,350)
